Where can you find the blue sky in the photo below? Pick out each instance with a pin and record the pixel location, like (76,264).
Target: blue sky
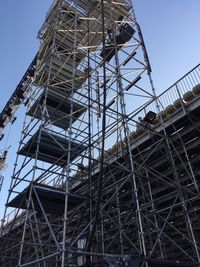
(170,29)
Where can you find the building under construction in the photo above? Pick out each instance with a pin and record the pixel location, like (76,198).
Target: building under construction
(107,172)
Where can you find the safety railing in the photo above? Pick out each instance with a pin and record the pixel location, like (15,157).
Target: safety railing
(177,91)
(12,220)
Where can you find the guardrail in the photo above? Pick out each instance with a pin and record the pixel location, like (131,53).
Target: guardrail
(12,220)
(175,92)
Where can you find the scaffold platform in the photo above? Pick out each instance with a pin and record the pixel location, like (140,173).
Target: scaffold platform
(48,198)
(57,109)
(53,148)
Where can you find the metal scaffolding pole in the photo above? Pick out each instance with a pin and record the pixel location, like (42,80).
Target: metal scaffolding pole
(106,172)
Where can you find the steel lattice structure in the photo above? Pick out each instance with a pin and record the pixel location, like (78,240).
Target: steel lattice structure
(92,185)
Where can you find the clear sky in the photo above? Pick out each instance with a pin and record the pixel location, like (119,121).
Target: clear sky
(170,29)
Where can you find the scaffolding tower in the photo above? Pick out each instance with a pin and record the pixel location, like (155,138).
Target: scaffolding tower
(103,176)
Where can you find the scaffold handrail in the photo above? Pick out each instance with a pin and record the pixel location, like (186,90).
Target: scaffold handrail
(177,90)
